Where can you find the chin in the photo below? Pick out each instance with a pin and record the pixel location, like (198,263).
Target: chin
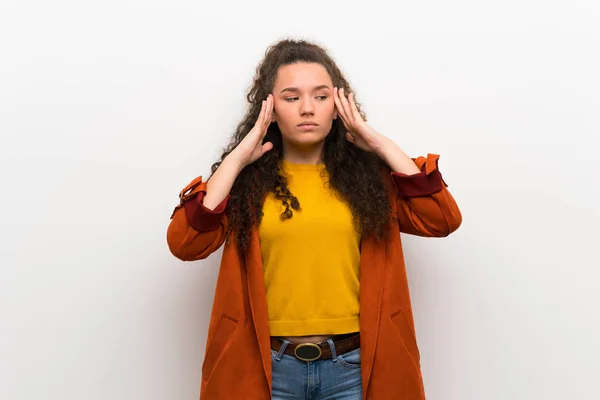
(309,139)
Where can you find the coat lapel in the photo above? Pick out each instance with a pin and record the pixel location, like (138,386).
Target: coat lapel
(372,272)
(258,303)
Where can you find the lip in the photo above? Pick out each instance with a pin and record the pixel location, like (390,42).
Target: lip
(307,127)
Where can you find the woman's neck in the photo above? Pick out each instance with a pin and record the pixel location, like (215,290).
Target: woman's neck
(312,156)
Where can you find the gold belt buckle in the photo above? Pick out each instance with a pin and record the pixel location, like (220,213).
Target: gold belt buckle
(308,352)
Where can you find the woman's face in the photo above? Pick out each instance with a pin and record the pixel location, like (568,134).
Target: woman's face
(304,108)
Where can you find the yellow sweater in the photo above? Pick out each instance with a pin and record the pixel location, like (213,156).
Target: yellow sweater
(311,261)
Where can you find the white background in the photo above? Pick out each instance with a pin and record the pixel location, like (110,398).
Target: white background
(108,109)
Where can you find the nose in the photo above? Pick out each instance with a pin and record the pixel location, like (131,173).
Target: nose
(307,107)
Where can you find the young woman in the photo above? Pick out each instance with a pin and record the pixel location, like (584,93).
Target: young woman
(312,299)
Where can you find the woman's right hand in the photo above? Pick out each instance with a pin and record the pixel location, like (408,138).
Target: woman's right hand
(251,148)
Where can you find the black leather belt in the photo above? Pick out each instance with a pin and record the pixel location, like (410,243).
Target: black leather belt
(315,351)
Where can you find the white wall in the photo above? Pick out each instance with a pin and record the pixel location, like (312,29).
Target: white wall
(107,110)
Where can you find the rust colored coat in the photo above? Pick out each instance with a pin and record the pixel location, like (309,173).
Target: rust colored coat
(237,363)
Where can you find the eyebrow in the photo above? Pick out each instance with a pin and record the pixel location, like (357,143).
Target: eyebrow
(294,89)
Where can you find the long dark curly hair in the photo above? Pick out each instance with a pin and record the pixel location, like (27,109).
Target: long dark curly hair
(355,174)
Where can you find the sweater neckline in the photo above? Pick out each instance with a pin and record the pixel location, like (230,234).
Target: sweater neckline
(290,166)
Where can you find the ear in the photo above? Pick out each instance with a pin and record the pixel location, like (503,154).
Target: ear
(335,114)
(273,117)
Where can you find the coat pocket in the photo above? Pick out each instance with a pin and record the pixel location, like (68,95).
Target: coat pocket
(407,335)
(223,332)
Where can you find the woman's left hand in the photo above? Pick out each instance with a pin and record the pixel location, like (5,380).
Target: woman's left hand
(359,132)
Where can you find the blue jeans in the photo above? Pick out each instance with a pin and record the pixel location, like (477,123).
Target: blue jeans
(337,378)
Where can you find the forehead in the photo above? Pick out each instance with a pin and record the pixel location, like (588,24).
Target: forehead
(302,76)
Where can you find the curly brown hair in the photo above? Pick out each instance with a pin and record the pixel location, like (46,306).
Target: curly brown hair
(354,173)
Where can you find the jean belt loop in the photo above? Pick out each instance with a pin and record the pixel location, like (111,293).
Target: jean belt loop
(332,347)
(282,349)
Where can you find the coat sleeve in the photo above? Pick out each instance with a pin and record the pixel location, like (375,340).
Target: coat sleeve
(195,231)
(424,205)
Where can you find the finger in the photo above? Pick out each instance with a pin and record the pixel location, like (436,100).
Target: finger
(259,120)
(335,100)
(266,117)
(345,105)
(272,112)
(339,107)
(269,116)
(266,147)
(355,113)
(338,103)
(350,137)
